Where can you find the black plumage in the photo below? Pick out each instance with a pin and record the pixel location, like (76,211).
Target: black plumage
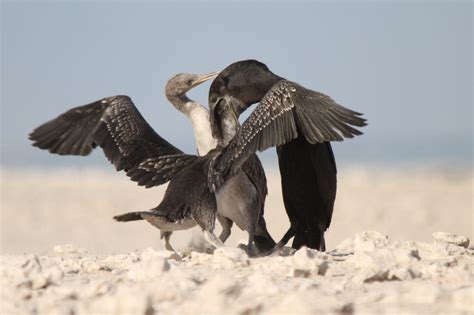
(300,123)
(113,123)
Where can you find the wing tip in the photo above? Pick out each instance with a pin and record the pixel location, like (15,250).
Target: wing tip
(363,122)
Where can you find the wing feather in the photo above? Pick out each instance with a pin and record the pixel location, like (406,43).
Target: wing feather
(115,125)
(158,170)
(286,112)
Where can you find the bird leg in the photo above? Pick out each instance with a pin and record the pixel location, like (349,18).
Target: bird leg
(251,248)
(226,227)
(322,247)
(165,236)
(263,240)
(212,239)
(289,234)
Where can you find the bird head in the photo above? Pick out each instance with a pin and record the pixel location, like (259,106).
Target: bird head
(241,84)
(236,88)
(181,83)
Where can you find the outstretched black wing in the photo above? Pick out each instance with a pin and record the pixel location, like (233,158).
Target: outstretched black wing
(114,124)
(157,170)
(285,112)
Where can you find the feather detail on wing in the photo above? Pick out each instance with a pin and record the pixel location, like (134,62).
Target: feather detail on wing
(115,125)
(159,170)
(286,112)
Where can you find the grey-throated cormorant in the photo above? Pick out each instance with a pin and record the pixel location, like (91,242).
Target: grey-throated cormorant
(244,194)
(300,123)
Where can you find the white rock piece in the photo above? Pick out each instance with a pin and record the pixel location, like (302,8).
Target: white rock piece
(32,265)
(229,256)
(118,262)
(346,247)
(309,261)
(451,238)
(148,269)
(91,266)
(68,249)
(384,264)
(37,275)
(71,265)
(370,241)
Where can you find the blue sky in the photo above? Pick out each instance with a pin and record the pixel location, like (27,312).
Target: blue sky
(406,65)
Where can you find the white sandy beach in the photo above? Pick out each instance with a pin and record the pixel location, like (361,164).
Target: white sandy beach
(122,268)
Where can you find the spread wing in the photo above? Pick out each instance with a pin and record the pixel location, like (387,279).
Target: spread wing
(158,170)
(286,112)
(115,125)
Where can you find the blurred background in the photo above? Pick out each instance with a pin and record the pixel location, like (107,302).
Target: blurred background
(407,65)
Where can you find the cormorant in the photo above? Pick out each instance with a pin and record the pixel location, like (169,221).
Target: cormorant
(300,123)
(128,141)
(244,193)
(131,144)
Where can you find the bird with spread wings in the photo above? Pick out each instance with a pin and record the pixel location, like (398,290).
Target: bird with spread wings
(300,123)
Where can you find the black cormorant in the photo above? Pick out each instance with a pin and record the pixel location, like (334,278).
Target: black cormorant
(300,123)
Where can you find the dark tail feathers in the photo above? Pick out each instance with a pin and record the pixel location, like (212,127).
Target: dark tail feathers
(130,216)
(312,239)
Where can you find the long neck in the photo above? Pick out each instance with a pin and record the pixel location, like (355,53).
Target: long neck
(199,116)
(179,101)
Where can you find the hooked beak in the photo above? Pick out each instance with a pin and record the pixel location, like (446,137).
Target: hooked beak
(204,77)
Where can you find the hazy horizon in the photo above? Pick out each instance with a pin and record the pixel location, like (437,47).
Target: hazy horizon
(406,66)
